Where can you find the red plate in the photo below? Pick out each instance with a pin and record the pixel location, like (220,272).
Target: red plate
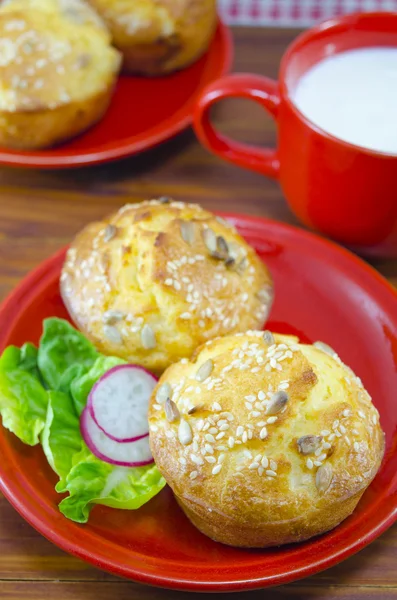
(322,292)
(143,113)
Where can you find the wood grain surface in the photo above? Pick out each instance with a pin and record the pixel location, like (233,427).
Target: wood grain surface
(40,211)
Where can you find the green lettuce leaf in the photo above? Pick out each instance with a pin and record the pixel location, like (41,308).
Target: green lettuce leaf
(23,399)
(42,395)
(61,438)
(92,481)
(81,386)
(64,354)
(28,359)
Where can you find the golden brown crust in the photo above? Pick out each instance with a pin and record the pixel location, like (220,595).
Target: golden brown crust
(57,71)
(134,275)
(159,36)
(46,128)
(240,475)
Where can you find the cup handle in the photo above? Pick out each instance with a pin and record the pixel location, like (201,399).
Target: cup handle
(260,89)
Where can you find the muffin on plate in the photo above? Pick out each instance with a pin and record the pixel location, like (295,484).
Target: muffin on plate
(159,36)
(57,71)
(155,280)
(263,440)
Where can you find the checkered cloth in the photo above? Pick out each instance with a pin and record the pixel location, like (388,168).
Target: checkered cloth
(294,13)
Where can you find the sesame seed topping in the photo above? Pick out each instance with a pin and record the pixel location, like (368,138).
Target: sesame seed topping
(184,432)
(210,459)
(196,459)
(216,469)
(112,334)
(193,474)
(263,433)
(250,398)
(270,473)
(356,446)
(283,386)
(254,465)
(148,337)
(309,463)
(265,462)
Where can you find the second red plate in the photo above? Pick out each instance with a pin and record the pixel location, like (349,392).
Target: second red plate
(322,292)
(143,113)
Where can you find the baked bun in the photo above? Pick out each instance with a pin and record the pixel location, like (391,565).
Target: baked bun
(159,36)
(57,71)
(155,280)
(263,440)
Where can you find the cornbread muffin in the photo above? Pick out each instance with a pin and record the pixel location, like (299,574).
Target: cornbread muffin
(57,71)
(264,441)
(159,36)
(156,279)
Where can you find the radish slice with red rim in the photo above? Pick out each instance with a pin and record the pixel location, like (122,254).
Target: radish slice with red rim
(124,454)
(119,402)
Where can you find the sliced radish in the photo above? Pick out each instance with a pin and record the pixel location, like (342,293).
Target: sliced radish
(124,454)
(119,402)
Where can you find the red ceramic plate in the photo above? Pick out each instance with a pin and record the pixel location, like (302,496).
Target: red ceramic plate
(322,292)
(143,113)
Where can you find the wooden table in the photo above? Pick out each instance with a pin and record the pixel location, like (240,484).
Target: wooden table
(41,211)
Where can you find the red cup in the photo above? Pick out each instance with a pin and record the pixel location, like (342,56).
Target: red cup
(345,191)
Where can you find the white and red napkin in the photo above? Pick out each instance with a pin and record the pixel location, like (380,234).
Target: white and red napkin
(294,13)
